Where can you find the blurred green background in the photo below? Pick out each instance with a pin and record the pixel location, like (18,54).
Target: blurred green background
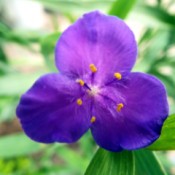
(28,32)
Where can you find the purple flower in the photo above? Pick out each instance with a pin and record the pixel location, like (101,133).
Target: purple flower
(95,90)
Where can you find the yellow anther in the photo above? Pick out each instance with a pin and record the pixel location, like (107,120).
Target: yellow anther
(118,76)
(93,119)
(93,68)
(79,102)
(81,82)
(119,107)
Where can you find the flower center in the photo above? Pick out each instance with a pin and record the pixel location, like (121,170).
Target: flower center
(94,90)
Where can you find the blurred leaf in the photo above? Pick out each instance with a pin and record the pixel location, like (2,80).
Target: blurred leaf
(17,145)
(3,57)
(167,80)
(121,8)
(3,61)
(74,6)
(167,138)
(48,48)
(151,49)
(147,163)
(156,14)
(48,43)
(24,39)
(159,2)
(7,108)
(73,159)
(16,84)
(5,68)
(111,163)
(146,36)
(87,143)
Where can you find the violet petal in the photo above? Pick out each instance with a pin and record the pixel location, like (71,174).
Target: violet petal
(49,113)
(139,122)
(105,41)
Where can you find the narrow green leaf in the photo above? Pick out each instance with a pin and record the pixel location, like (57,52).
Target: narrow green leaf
(111,163)
(74,6)
(146,36)
(147,163)
(17,145)
(121,8)
(48,43)
(3,57)
(156,14)
(47,48)
(167,138)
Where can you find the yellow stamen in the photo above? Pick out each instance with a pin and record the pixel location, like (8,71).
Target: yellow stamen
(80,81)
(93,119)
(93,68)
(79,102)
(119,107)
(118,76)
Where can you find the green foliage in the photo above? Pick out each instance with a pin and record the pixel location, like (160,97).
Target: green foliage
(26,80)
(147,163)
(158,14)
(47,48)
(17,145)
(121,8)
(125,163)
(8,35)
(167,138)
(76,6)
(111,163)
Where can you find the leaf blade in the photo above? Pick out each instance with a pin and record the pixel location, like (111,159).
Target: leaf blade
(167,140)
(16,145)
(111,163)
(121,8)
(147,163)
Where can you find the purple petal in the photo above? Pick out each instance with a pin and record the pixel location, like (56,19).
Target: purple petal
(139,122)
(105,41)
(49,113)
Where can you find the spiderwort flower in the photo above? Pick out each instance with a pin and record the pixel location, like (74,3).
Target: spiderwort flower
(95,90)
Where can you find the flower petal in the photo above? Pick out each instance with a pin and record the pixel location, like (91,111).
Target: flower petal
(49,113)
(139,122)
(105,41)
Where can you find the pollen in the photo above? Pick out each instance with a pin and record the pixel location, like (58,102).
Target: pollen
(93,68)
(80,81)
(79,102)
(119,107)
(93,119)
(118,76)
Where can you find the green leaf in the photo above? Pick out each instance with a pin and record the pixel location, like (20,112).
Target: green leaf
(147,163)
(121,8)
(3,57)
(17,145)
(155,15)
(74,6)
(48,48)
(16,84)
(111,163)
(48,43)
(8,108)
(73,158)
(167,138)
